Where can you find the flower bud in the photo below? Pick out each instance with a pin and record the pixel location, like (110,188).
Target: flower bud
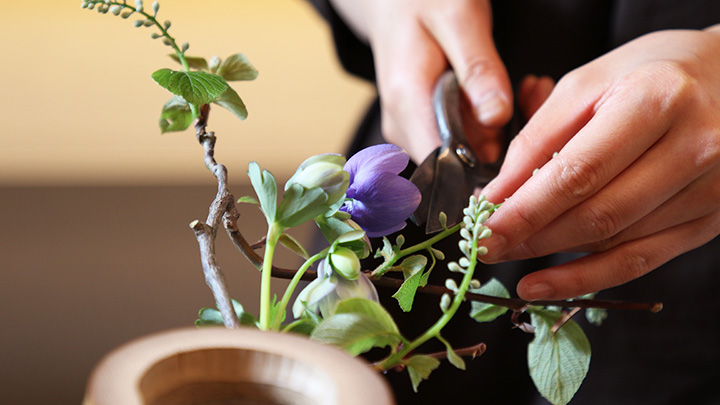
(451,285)
(155,7)
(324,171)
(445,302)
(214,63)
(345,262)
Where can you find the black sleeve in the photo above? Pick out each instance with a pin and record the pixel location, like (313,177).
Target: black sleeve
(355,55)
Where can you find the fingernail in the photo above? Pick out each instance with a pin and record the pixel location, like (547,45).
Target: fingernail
(536,291)
(495,245)
(491,109)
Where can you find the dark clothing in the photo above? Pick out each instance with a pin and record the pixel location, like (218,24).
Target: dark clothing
(638,358)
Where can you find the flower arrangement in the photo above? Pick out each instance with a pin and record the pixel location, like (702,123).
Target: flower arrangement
(351,201)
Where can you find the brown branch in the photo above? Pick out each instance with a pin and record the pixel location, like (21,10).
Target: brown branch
(471,351)
(206,232)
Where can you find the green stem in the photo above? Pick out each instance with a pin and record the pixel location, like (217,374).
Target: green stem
(436,328)
(385,267)
(273,234)
(293,284)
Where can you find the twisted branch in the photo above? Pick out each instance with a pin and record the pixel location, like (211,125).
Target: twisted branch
(205,232)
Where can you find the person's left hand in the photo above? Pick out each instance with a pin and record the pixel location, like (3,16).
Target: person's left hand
(637,176)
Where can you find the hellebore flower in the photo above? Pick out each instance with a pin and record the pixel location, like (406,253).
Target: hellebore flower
(378,199)
(330,287)
(324,171)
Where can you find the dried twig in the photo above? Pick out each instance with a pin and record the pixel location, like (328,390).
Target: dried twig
(206,232)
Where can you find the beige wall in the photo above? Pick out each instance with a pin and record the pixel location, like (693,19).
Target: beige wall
(78,105)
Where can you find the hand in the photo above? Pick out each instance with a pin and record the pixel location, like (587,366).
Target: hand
(414,42)
(637,176)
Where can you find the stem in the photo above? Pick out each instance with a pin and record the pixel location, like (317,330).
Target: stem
(273,234)
(385,267)
(436,328)
(293,284)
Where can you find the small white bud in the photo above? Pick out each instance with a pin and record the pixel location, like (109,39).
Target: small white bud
(115,9)
(468,221)
(464,262)
(400,240)
(214,63)
(483,205)
(482,250)
(442,217)
(475,284)
(451,285)
(167,24)
(155,7)
(474,200)
(445,302)
(167,42)
(438,254)
(465,234)
(148,23)
(455,268)
(155,35)
(483,217)
(126,13)
(464,247)
(486,233)
(185,46)
(138,23)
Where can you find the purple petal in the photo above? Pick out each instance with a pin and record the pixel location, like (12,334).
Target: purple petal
(384,158)
(381,202)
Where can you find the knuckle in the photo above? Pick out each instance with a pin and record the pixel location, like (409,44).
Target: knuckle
(577,178)
(709,151)
(634,265)
(666,86)
(599,223)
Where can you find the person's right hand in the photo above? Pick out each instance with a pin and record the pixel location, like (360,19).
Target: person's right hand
(413,43)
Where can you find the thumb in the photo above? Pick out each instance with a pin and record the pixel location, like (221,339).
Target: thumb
(464,32)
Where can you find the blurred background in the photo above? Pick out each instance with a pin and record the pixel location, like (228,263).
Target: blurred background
(95,248)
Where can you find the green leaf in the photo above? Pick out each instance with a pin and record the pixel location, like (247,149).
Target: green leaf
(300,204)
(276,311)
(194,62)
(412,268)
(419,368)
(232,102)
(195,87)
(386,251)
(558,362)
(293,245)
(248,200)
(484,312)
(175,115)
(369,308)
(212,317)
(237,67)
(453,358)
(266,189)
(354,332)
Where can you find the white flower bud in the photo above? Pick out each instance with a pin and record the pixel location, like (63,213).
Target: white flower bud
(345,262)
(442,218)
(482,250)
(127,13)
(185,46)
(486,233)
(464,247)
(464,262)
(455,268)
(451,285)
(214,63)
(445,302)
(465,234)
(138,23)
(475,284)
(148,23)
(324,171)
(167,24)
(115,9)
(155,7)
(483,217)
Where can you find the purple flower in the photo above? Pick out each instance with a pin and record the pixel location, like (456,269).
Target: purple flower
(379,200)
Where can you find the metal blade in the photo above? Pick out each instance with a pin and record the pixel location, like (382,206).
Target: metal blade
(423,177)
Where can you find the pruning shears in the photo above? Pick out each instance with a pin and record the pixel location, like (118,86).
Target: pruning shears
(452,172)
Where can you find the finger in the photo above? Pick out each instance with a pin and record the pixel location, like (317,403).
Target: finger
(533,93)
(619,265)
(464,32)
(612,140)
(407,64)
(617,206)
(699,199)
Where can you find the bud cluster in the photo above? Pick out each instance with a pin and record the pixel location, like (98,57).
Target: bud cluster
(476,213)
(146,20)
